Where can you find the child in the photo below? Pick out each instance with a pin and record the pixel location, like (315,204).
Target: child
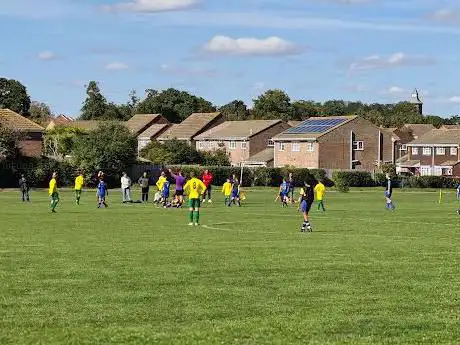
(165,193)
(79,181)
(305,201)
(284,192)
(388,193)
(102,192)
(235,193)
(227,191)
(53,193)
(320,189)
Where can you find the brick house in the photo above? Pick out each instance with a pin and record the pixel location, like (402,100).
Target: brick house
(150,134)
(60,120)
(338,142)
(434,153)
(31,144)
(192,126)
(241,139)
(141,122)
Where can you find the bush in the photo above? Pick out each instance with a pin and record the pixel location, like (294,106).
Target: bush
(353,179)
(431,182)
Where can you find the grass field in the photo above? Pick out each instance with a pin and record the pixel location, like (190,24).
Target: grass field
(134,274)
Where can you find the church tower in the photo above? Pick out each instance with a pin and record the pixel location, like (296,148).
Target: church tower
(415,100)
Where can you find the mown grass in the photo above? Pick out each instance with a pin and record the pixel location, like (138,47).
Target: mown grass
(135,274)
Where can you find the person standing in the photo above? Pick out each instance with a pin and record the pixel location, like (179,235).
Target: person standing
(144,184)
(284,192)
(227,191)
(102,192)
(126,188)
(24,188)
(207,178)
(79,181)
(194,188)
(180,182)
(388,193)
(320,189)
(235,196)
(53,193)
(305,201)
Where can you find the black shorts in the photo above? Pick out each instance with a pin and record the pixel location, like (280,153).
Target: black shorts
(179,193)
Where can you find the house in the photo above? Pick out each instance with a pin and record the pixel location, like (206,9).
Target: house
(141,122)
(31,143)
(337,142)
(264,159)
(151,133)
(434,153)
(241,139)
(60,120)
(192,126)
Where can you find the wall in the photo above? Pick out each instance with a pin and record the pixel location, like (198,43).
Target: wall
(301,159)
(428,160)
(32,145)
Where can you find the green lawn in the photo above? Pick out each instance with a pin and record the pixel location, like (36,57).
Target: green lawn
(135,274)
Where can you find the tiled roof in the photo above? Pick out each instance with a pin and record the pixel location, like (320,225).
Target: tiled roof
(153,131)
(450,127)
(62,119)
(449,163)
(10,119)
(294,123)
(140,122)
(297,136)
(87,125)
(190,127)
(264,156)
(418,129)
(439,137)
(237,130)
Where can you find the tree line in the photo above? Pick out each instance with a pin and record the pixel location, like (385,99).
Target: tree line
(177,105)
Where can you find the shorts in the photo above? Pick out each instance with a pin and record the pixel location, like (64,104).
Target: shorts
(283,195)
(194,203)
(235,194)
(304,206)
(165,195)
(387,194)
(54,196)
(179,193)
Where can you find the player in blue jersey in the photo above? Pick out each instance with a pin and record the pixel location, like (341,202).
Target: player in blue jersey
(235,196)
(307,197)
(165,193)
(388,192)
(284,192)
(102,192)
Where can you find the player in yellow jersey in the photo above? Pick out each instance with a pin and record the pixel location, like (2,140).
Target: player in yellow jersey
(53,193)
(227,191)
(320,189)
(194,188)
(161,181)
(79,181)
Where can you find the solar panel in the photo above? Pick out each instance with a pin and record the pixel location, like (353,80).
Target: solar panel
(315,126)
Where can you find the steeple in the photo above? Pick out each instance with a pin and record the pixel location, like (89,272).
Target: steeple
(415,99)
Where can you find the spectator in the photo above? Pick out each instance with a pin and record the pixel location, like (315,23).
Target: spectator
(24,188)
(144,184)
(126,188)
(207,178)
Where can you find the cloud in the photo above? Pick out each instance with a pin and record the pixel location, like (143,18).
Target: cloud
(116,66)
(250,46)
(392,61)
(396,90)
(152,6)
(46,55)
(454,99)
(446,15)
(187,71)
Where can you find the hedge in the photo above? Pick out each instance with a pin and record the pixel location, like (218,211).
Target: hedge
(353,178)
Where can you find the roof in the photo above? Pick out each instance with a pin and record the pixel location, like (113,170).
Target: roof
(450,127)
(190,127)
(264,156)
(410,164)
(438,137)
(87,125)
(237,130)
(449,163)
(307,130)
(418,129)
(294,123)
(140,122)
(17,122)
(62,119)
(153,131)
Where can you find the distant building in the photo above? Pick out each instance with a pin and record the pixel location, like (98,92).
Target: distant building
(141,122)
(415,99)
(31,145)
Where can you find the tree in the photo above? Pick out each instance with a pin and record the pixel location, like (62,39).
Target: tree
(218,157)
(302,110)
(111,147)
(436,121)
(173,104)
(40,113)
(157,153)
(13,95)
(334,108)
(273,104)
(60,141)
(235,110)
(9,143)
(95,105)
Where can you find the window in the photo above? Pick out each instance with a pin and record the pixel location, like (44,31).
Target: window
(358,145)
(453,151)
(270,143)
(425,170)
(415,151)
(281,146)
(244,145)
(200,145)
(403,147)
(427,151)
(232,145)
(440,151)
(295,147)
(310,147)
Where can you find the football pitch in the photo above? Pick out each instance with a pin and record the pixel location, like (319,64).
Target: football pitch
(135,274)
